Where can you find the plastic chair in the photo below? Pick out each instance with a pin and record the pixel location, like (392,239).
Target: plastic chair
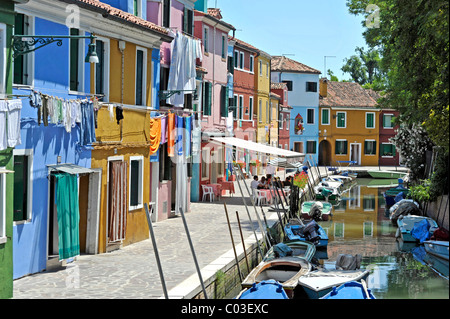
(261,197)
(207,190)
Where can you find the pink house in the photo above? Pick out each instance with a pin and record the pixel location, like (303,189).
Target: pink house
(213,31)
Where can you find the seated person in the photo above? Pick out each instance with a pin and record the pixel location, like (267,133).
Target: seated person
(255,182)
(262,183)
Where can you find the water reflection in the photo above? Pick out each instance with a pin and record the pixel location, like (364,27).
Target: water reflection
(361,225)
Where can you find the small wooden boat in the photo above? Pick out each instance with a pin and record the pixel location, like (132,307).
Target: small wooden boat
(267,289)
(314,233)
(286,269)
(386,174)
(437,248)
(343,178)
(320,282)
(406,225)
(350,290)
(323,208)
(326,193)
(391,196)
(331,182)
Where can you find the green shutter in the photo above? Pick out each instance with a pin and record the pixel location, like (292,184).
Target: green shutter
(74,60)
(345,147)
(134,183)
(19,28)
(208,98)
(370,120)
(139,77)
(325,116)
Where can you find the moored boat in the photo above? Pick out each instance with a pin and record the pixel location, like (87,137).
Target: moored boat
(314,233)
(350,290)
(316,210)
(437,248)
(386,174)
(332,182)
(406,225)
(326,193)
(267,289)
(285,267)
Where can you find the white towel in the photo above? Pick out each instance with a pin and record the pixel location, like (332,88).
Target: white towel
(3,133)
(15,108)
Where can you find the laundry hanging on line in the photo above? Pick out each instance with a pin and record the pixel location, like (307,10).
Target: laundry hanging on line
(10,111)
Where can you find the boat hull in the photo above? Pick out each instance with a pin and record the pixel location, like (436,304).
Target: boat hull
(406,224)
(437,248)
(350,290)
(386,174)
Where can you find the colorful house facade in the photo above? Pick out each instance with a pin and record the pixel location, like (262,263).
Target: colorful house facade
(349,125)
(303,91)
(214,33)
(284,113)
(98,151)
(262,78)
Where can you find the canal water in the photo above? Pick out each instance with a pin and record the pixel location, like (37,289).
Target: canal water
(360,224)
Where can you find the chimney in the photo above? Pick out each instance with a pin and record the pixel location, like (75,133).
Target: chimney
(323,87)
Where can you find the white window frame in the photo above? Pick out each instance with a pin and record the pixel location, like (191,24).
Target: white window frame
(241,60)
(311,141)
(250,108)
(3,58)
(388,127)
(29,58)
(236,59)
(29,153)
(106,71)
(252,64)
(144,76)
(381,147)
(139,9)
(140,183)
(342,140)
(241,109)
(329,115)
(3,237)
(375,148)
(345,118)
(81,64)
(374,120)
(314,116)
(206,39)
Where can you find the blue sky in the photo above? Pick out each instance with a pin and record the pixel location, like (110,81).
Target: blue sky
(310,29)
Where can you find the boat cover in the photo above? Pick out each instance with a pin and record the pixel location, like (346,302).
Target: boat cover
(269,289)
(348,262)
(405,207)
(421,230)
(282,250)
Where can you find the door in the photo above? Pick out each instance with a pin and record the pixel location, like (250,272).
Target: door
(117,202)
(355,153)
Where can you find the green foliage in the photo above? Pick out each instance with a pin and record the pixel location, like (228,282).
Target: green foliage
(365,68)
(439,178)
(421,192)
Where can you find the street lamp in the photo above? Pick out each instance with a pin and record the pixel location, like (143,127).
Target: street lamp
(24,44)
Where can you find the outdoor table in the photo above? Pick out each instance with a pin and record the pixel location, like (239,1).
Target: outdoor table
(217,189)
(227,186)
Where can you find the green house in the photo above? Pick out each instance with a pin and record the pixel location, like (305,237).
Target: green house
(7,18)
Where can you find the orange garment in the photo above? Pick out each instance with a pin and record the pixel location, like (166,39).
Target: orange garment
(171,134)
(155,135)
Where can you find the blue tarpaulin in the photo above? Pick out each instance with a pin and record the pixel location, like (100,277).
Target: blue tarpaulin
(421,231)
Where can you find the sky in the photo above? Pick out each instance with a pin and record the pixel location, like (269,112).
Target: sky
(303,30)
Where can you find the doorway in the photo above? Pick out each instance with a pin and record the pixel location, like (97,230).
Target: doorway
(325,153)
(355,153)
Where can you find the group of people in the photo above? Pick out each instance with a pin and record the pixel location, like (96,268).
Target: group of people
(266,181)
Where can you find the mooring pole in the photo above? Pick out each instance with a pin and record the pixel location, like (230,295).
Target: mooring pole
(193,252)
(243,243)
(232,242)
(155,248)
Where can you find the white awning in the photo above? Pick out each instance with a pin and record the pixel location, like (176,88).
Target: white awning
(257,147)
(283,163)
(5,171)
(71,169)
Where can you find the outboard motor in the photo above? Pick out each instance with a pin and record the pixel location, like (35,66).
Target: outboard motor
(316,211)
(311,232)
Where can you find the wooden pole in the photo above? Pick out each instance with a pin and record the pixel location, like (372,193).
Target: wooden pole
(243,243)
(232,242)
(155,248)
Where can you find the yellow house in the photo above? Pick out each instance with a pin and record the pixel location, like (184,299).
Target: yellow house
(348,125)
(274,107)
(125,77)
(262,87)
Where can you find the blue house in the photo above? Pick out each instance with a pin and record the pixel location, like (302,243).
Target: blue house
(303,92)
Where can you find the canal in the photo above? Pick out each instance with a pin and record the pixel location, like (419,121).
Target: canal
(360,224)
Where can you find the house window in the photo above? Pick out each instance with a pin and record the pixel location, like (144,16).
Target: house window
(388,120)
(250,106)
(188,21)
(289,85)
(102,68)
(235,109)
(281,120)
(310,116)
(241,107)
(387,149)
(166,13)
(141,72)
(74,57)
(311,147)
(241,60)
(325,116)
(207,98)
(368,228)
(252,62)
(341,119)
(260,111)
(206,39)
(2,208)
(22,64)
(311,86)
(267,70)
(23,185)
(224,44)
(136,182)
(137,8)
(224,101)
(341,147)
(236,59)
(220,162)
(260,68)
(368,202)
(370,147)
(298,147)
(370,120)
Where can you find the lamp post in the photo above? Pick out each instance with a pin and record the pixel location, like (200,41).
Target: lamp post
(24,44)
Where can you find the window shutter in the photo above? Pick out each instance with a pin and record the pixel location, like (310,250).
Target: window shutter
(20,187)
(208,98)
(345,147)
(134,183)
(74,58)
